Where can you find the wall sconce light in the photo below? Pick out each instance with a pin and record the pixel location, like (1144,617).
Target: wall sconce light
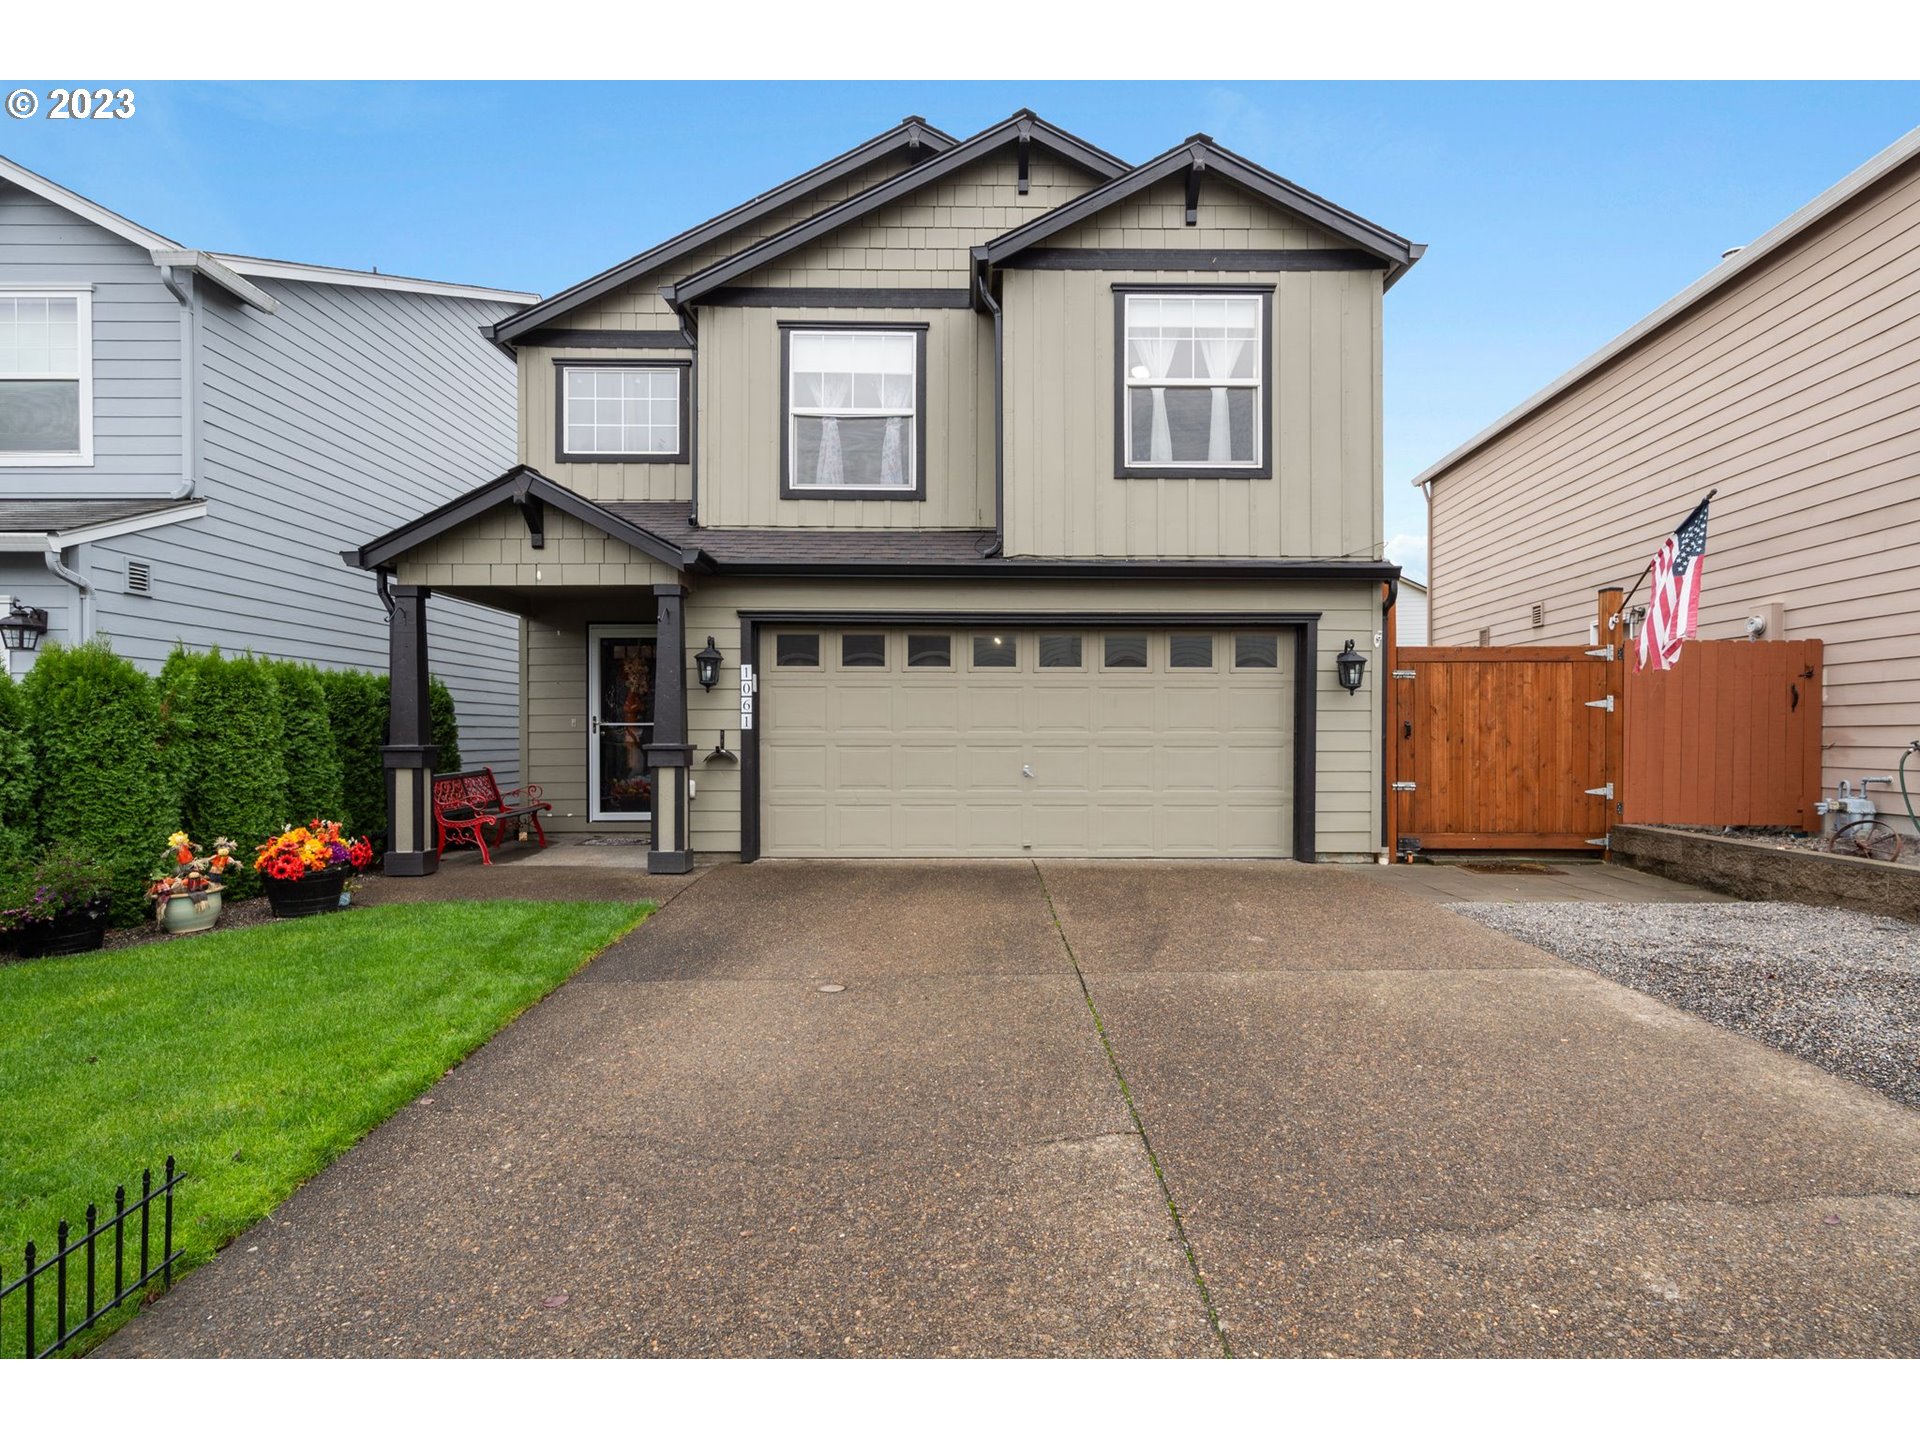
(23,627)
(707,664)
(1352,665)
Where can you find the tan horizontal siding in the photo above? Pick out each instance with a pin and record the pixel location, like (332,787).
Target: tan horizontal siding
(1796,392)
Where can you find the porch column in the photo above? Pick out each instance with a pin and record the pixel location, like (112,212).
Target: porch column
(669,756)
(409,751)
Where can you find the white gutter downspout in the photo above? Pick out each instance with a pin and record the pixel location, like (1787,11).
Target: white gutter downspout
(82,627)
(182,287)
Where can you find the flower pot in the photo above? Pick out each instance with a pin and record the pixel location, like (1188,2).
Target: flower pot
(187,914)
(71,932)
(316,894)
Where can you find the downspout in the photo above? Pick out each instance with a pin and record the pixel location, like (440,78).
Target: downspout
(1386,714)
(999,416)
(83,621)
(182,287)
(691,333)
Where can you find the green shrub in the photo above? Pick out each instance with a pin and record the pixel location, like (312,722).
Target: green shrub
(357,713)
(103,763)
(443,724)
(19,831)
(234,774)
(312,759)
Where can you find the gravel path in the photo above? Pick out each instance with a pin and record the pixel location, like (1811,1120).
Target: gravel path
(1835,987)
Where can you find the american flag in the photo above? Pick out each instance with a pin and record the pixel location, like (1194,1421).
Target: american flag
(1673,610)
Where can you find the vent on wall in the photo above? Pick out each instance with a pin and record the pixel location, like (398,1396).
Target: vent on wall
(139,577)
(1486,638)
(1538,615)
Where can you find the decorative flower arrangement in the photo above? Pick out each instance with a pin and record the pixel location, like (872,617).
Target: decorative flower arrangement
(64,881)
(196,869)
(311,849)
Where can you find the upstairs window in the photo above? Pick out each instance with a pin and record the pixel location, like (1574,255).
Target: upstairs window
(853,401)
(46,377)
(622,413)
(1192,387)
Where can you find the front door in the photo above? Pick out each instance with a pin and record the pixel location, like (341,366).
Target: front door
(620,674)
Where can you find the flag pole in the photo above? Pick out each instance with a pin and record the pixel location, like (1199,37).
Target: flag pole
(1649,570)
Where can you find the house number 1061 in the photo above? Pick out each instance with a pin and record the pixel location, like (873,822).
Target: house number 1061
(747,687)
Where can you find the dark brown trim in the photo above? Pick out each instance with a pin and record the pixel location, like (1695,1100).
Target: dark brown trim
(1023,569)
(912,135)
(839,297)
(564,456)
(789,491)
(974,147)
(605,339)
(1304,624)
(1198,261)
(1269,396)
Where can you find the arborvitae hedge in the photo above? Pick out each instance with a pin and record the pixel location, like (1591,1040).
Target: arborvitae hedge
(357,711)
(235,775)
(314,786)
(443,723)
(103,763)
(18,827)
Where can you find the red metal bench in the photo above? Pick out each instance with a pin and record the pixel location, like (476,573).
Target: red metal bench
(470,805)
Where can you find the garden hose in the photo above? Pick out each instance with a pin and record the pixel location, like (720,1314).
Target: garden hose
(1912,746)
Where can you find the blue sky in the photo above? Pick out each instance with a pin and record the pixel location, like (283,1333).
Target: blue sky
(1556,215)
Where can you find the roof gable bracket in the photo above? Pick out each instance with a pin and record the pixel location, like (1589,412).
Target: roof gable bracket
(1026,151)
(533,510)
(1193,187)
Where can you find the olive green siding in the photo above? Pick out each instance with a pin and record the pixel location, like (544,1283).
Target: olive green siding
(1228,219)
(598,479)
(741,423)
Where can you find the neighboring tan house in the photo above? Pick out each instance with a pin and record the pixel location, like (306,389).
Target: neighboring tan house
(187,439)
(1410,613)
(1787,379)
(1025,498)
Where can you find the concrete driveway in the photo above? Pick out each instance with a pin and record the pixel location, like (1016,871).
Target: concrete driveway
(1088,1109)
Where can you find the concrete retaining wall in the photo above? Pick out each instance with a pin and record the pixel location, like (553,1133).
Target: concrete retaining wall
(1754,870)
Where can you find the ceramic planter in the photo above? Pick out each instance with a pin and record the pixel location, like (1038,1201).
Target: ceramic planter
(316,894)
(71,932)
(188,914)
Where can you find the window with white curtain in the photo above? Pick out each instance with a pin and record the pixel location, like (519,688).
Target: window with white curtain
(46,377)
(1193,381)
(852,403)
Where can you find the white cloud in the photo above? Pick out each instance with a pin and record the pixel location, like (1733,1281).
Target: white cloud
(1409,552)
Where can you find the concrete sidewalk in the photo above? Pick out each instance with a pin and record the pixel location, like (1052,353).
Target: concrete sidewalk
(1386,1130)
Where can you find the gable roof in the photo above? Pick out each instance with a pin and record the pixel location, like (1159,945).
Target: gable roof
(263,269)
(1021,125)
(1725,273)
(911,134)
(1199,153)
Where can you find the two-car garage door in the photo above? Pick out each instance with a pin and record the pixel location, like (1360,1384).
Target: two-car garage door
(1097,741)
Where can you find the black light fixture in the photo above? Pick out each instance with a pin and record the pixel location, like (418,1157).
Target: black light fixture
(708,665)
(23,627)
(1352,665)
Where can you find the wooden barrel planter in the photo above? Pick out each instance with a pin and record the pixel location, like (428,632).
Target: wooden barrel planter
(315,894)
(71,932)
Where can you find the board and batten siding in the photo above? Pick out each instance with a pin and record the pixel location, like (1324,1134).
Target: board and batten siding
(137,402)
(1794,389)
(342,415)
(595,479)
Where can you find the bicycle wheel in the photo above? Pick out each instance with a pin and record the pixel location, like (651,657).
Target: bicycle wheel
(1867,839)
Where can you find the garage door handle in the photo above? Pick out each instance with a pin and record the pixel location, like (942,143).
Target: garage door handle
(1027,770)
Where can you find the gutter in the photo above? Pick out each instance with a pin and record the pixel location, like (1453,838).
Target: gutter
(999,414)
(181,285)
(83,617)
(691,331)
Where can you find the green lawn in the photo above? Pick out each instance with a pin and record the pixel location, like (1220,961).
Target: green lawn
(254,1056)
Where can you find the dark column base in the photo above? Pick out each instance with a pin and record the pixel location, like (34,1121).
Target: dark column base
(410,862)
(669,862)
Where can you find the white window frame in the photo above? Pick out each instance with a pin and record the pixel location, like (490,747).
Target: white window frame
(566,455)
(83,312)
(1258,465)
(915,488)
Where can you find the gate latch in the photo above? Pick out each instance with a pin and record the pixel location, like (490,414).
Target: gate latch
(1605,704)
(1404,785)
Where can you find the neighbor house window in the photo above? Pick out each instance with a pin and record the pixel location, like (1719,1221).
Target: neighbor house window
(1192,386)
(853,411)
(622,412)
(46,377)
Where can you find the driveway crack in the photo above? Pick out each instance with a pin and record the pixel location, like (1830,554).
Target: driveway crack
(1139,1126)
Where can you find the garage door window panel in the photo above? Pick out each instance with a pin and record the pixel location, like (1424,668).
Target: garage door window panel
(797,650)
(855,402)
(861,651)
(929,652)
(996,652)
(1188,651)
(1256,652)
(1123,650)
(1062,652)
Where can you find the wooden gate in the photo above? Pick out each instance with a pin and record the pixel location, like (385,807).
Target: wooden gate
(1502,748)
(1729,736)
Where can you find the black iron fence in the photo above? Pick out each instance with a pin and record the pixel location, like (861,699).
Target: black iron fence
(34,1282)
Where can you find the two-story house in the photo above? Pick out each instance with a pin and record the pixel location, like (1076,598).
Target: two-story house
(983,497)
(187,440)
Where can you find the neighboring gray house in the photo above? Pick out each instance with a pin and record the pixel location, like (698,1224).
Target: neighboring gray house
(188,440)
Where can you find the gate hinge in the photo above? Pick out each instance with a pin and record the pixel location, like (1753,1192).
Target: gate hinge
(1403,674)
(1606,704)
(1604,842)
(1405,785)
(1605,792)
(1605,652)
